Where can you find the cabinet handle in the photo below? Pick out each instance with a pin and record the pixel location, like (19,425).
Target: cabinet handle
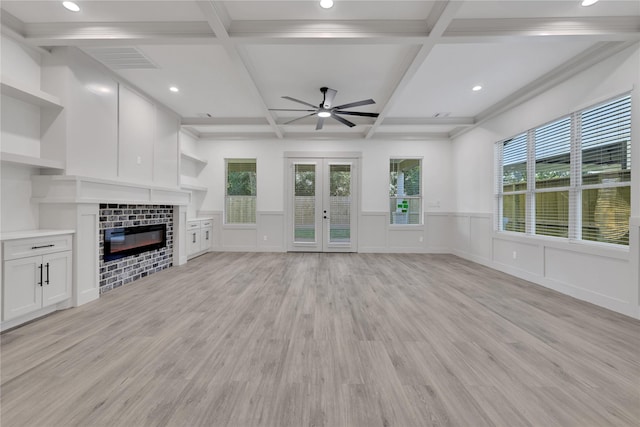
(43,246)
(194,237)
(207,235)
(40,282)
(47,281)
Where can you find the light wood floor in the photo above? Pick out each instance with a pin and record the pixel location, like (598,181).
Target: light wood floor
(325,340)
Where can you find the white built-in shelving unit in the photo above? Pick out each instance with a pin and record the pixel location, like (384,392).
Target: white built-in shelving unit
(190,168)
(42,100)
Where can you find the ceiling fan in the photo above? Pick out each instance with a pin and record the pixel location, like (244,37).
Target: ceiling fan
(325,109)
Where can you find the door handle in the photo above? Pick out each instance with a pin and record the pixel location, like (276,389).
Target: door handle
(40,282)
(43,246)
(47,281)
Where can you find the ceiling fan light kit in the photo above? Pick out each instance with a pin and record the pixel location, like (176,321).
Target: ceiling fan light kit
(325,109)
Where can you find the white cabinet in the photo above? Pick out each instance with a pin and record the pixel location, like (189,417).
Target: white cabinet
(206,235)
(36,274)
(193,238)
(199,236)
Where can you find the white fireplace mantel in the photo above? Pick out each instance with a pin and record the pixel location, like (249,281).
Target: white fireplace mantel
(79,189)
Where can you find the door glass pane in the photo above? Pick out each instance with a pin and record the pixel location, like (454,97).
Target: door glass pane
(305,204)
(340,203)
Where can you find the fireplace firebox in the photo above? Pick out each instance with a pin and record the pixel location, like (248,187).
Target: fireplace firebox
(121,242)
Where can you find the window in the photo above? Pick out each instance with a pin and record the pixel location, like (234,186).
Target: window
(405,176)
(514,183)
(605,171)
(570,178)
(240,197)
(552,145)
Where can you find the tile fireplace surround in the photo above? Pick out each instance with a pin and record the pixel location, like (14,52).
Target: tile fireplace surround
(122,271)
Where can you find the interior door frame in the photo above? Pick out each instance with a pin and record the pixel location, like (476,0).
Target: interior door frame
(320,157)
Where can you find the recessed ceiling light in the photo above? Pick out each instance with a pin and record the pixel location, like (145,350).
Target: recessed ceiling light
(476,88)
(69,5)
(326,4)
(324,114)
(174,89)
(589,2)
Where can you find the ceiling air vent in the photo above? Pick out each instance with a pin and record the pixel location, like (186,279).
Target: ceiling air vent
(121,58)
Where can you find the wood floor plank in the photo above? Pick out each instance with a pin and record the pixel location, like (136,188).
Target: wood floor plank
(335,340)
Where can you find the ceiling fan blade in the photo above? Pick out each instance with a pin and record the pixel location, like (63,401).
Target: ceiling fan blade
(328,97)
(286,109)
(355,104)
(299,101)
(343,121)
(299,118)
(320,123)
(357,113)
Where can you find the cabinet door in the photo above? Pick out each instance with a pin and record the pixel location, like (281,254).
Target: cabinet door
(22,292)
(56,278)
(193,242)
(206,235)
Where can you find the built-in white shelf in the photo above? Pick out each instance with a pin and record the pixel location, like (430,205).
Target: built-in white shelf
(19,159)
(190,187)
(31,96)
(198,161)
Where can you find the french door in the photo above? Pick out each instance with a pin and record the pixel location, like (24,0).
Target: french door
(322,205)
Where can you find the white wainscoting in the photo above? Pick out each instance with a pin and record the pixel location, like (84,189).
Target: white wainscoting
(372,231)
(248,238)
(271,231)
(376,235)
(604,275)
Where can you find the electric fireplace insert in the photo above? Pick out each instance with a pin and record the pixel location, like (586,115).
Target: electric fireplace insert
(121,242)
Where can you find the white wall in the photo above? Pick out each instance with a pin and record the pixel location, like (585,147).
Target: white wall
(17,210)
(375,235)
(601,274)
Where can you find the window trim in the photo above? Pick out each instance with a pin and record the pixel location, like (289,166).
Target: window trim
(420,159)
(238,225)
(575,188)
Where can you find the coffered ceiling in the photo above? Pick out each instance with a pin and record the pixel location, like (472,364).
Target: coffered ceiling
(234,60)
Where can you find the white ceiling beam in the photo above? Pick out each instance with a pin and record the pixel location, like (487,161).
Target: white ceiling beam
(428,121)
(446,14)
(217,18)
(570,68)
(82,34)
(216,121)
(269,31)
(575,26)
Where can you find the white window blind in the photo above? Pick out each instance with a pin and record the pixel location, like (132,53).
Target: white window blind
(514,184)
(241,190)
(606,171)
(570,178)
(552,144)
